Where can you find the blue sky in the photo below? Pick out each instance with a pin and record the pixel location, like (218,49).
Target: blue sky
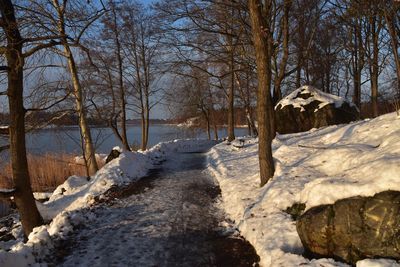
(146,1)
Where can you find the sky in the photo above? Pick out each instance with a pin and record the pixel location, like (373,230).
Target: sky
(158,112)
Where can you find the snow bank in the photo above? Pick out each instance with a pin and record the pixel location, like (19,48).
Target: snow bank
(68,203)
(297,102)
(315,167)
(377,263)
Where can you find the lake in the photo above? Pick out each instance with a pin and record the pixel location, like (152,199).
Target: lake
(66,139)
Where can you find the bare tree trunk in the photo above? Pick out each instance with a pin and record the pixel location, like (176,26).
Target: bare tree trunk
(207,118)
(89,153)
(231,94)
(113,120)
(282,67)
(143,130)
(208,130)
(231,97)
(146,87)
(394,38)
(114,128)
(29,214)
(124,136)
(262,38)
(140,92)
(298,70)
(376,25)
(358,63)
(215,127)
(250,122)
(147,125)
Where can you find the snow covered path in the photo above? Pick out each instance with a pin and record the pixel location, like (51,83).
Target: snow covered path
(167,219)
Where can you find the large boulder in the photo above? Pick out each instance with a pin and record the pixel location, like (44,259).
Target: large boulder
(307,108)
(354,228)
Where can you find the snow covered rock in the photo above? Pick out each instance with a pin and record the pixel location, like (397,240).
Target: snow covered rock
(354,228)
(307,108)
(113,155)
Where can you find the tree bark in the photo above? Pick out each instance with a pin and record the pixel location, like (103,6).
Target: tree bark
(394,38)
(285,56)
(207,117)
(89,153)
(29,214)
(376,26)
(231,96)
(88,148)
(124,136)
(358,64)
(262,38)
(231,93)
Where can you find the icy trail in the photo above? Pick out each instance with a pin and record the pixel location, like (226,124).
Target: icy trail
(167,219)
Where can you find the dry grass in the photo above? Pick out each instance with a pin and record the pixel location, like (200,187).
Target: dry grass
(47,171)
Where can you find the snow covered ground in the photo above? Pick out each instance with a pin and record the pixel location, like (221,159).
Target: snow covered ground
(315,167)
(167,219)
(66,206)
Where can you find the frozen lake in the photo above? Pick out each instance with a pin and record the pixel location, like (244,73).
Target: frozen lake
(66,139)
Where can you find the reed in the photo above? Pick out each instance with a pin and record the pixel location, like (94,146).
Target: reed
(46,171)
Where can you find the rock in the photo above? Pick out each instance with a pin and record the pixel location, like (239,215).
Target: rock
(354,228)
(296,210)
(307,108)
(113,155)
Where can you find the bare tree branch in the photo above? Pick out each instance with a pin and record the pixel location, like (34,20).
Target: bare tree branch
(41,38)
(40,47)
(49,107)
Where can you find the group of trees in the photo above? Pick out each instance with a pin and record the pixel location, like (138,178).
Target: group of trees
(96,59)
(224,49)
(112,58)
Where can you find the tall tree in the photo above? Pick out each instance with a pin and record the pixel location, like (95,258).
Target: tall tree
(30,216)
(392,17)
(263,44)
(63,11)
(115,28)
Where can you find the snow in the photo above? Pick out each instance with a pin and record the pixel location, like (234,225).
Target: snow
(67,204)
(316,95)
(41,195)
(6,191)
(377,263)
(315,167)
(170,211)
(100,158)
(191,122)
